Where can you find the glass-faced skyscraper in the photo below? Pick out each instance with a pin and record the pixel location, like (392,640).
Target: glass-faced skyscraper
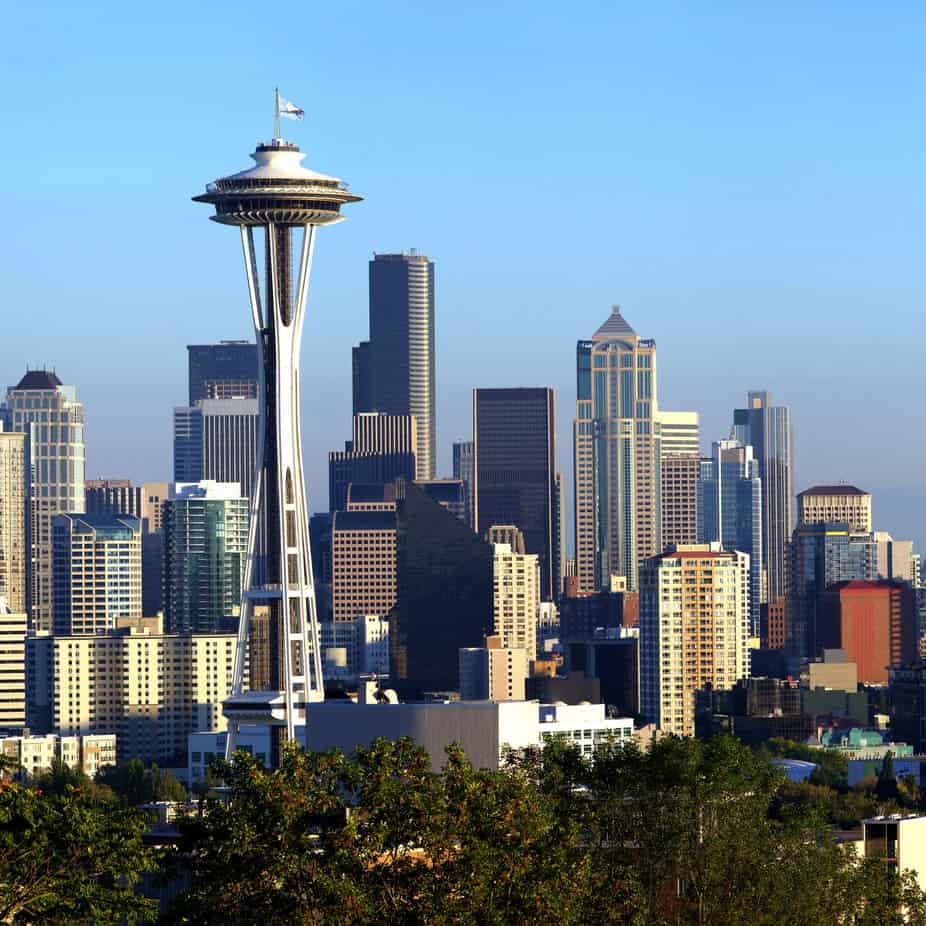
(515,468)
(616,455)
(730,512)
(767,429)
(227,370)
(395,373)
(52,418)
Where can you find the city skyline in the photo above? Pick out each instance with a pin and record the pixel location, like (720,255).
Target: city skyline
(771,172)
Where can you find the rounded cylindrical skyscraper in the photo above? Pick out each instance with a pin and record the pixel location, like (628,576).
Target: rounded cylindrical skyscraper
(277,205)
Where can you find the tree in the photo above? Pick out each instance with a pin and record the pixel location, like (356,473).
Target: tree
(65,859)
(61,777)
(137,785)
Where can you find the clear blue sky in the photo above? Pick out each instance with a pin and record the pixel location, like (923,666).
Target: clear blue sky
(747,183)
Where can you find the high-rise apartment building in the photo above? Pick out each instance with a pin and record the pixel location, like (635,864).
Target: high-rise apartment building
(694,624)
(395,374)
(13,514)
(149,688)
(443,593)
(767,429)
(227,370)
(363,564)
(464,462)
(205,546)
(13,628)
(617,480)
(896,559)
(96,564)
(873,622)
(515,468)
(679,462)
(515,598)
(730,512)
(50,415)
(821,555)
(382,449)
(216,439)
(842,503)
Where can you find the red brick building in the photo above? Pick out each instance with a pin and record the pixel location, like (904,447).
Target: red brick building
(874,621)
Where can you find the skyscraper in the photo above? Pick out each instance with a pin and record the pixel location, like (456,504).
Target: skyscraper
(13,509)
(730,512)
(399,377)
(820,555)
(767,429)
(363,564)
(362,378)
(97,572)
(227,370)
(835,503)
(679,465)
(515,598)
(616,455)
(52,418)
(382,448)
(464,462)
(216,439)
(515,468)
(694,623)
(205,545)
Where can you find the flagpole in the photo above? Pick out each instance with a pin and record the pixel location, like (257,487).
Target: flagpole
(276,113)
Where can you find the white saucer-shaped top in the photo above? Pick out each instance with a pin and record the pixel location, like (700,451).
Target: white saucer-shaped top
(280,163)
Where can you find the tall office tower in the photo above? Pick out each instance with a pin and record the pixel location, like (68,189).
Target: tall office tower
(464,461)
(285,202)
(227,370)
(13,628)
(205,548)
(515,598)
(492,672)
(96,564)
(363,564)
(401,361)
(112,496)
(508,534)
(448,493)
(52,419)
(153,496)
(13,509)
(150,688)
(382,448)
(515,468)
(216,439)
(559,536)
(767,429)
(694,624)
(443,594)
(873,622)
(616,455)
(842,503)
(362,377)
(820,555)
(730,512)
(679,462)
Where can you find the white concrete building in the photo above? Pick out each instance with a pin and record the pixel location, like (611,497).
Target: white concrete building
(34,754)
(516,598)
(204,746)
(484,729)
(900,841)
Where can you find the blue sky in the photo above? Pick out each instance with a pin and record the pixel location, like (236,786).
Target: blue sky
(747,183)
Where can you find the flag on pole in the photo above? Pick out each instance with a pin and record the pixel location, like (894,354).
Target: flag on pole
(291,110)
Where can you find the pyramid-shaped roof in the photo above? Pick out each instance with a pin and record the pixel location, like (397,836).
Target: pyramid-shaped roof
(39,379)
(615,326)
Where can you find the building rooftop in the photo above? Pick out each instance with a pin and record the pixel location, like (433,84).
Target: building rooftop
(615,326)
(39,379)
(364,521)
(833,490)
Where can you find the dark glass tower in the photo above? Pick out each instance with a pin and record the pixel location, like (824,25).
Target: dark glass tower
(443,593)
(227,370)
(399,372)
(515,468)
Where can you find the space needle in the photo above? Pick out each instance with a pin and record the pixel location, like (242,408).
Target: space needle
(277,204)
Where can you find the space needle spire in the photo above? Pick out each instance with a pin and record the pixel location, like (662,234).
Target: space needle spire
(277,206)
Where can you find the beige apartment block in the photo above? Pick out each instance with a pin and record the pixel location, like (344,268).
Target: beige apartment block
(836,503)
(493,672)
(363,564)
(694,626)
(149,688)
(516,598)
(13,627)
(13,554)
(35,754)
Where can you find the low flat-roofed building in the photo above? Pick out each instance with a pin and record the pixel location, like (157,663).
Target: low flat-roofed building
(35,754)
